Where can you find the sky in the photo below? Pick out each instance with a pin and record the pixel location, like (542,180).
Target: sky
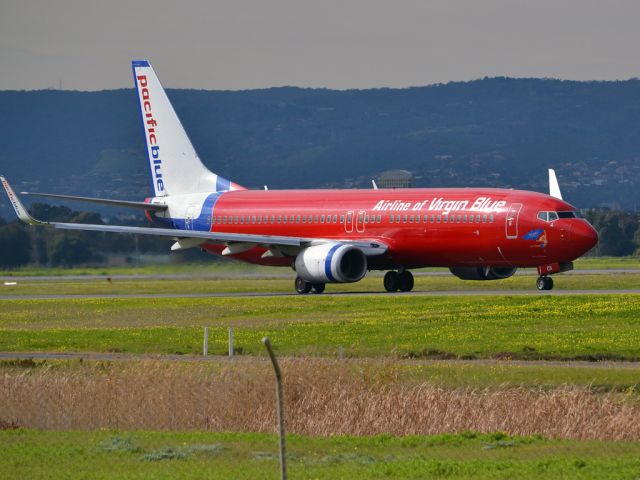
(341,44)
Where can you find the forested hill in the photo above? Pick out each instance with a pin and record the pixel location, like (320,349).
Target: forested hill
(492,132)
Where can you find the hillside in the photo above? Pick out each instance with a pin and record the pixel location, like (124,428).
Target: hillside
(492,132)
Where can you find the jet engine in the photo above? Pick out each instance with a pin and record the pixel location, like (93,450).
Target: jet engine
(331,263)
(483,273)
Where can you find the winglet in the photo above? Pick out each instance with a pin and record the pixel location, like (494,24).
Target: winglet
(17,204)
(554,188)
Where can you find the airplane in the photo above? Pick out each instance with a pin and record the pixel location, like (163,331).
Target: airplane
(337,236)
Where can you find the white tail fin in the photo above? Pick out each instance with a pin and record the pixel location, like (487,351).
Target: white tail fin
(174,163)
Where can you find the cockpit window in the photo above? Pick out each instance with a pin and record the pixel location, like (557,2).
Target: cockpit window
(552,216)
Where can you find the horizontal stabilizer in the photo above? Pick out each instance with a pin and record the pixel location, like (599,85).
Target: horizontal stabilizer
(103,201)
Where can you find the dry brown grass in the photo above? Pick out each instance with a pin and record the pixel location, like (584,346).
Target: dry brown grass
(323,397)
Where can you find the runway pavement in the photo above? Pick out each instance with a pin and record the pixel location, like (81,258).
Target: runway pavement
(262,276)
(447,293)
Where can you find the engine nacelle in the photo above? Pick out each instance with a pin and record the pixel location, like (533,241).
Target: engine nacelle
(482,273)
(331,263)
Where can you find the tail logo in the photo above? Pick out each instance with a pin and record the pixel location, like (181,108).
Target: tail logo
(150,125)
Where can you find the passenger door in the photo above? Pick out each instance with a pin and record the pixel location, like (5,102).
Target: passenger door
(511,221)
(189,217)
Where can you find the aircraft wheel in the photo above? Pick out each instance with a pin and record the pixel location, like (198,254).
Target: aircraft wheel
(302,286)
(544,283)
(391,281)
(318,287)
(405,281)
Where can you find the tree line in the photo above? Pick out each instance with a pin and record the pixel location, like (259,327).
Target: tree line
(22,245)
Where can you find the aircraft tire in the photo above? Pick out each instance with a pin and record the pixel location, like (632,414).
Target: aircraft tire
(302,286)
(391,281)
(318,287)
(405,281)
(544,283)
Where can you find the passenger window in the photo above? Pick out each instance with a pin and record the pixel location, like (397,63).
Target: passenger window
(477,218)
(390,218)
(284,219)
(464,219)
(491,218)
(273,219)
(341,218)
(484,219)
(321,218)
(242,219)
(404,219)
(411,219)
(335,219)
(470,218)
(445,218)
(304,219)
(452,218)
(297,218)
(438,219)
(366,219)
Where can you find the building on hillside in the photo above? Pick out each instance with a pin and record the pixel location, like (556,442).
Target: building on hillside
(395,179)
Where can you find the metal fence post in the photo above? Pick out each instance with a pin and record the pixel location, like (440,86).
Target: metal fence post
(231,341)
(279,398)
(205,347)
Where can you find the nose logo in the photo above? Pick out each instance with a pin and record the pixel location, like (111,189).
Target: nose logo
(538,235)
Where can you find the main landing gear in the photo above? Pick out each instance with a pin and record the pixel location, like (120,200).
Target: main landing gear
(394,281)
(302,286)
(544,283)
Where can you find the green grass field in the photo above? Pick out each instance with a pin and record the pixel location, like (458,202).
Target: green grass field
(229,267)
(528,327)
(371,283)
(184,455)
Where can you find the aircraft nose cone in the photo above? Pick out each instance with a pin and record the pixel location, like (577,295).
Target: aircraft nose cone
(583,237)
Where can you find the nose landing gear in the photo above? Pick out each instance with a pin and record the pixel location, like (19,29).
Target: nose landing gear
(394,281)
(544,283)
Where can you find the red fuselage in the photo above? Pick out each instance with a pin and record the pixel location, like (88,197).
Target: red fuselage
(454,227)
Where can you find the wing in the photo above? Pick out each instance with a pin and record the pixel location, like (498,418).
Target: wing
(235,242)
